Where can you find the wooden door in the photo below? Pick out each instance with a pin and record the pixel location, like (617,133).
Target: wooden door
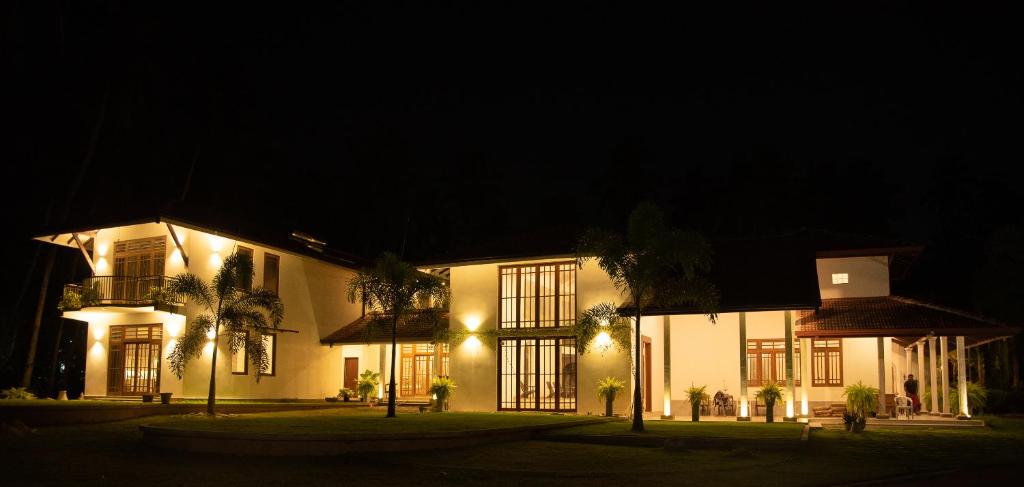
(647,374)
(134,360)
(351,373)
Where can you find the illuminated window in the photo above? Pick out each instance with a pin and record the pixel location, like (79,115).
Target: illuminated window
(766,362)
(538,296)
(840,278)
(537,374)
(827,362)
(239,362)
(271,272)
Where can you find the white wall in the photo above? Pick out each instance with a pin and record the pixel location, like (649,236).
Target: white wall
(474,362)
(868,276)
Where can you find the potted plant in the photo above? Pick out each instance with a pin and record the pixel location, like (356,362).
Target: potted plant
(345,393)
(696,396)
(769,393)
(367,384)
(165,397)
(606,390)
(861,400)
(441,390)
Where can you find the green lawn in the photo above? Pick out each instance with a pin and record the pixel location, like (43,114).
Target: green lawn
(49,403)
(112,454)
(718,429)
(360,421)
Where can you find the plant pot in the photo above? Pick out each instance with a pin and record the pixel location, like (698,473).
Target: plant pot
(331,399)
(345,398)
(859,424)
(438,406)
(147,398)
(608,402)
(769,411)
(165,397)
(848,426)
(62,395)
(695,412)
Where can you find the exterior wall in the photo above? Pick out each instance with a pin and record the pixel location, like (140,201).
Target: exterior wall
(869,276)
(474,362)
(312,291)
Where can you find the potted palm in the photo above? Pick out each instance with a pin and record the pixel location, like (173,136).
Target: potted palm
(441,390)
(697,396)
(607,388)
(769,393)
(368,382)
(861,400)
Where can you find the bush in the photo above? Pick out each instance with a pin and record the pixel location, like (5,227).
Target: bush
(367,385)
(1001,401)
(16,393)
(977,398)
(442,388)
(609,386)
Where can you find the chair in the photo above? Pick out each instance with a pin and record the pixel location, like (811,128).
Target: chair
(904,406)
(525,390)
(705,406)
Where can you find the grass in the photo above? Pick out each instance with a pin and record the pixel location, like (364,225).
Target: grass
(112,454)
(718,429)
(361,420)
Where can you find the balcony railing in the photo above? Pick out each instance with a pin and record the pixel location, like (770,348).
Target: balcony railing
(118,291)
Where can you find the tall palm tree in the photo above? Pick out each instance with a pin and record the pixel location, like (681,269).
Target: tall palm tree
(232,307)
(394,289)
(653,263)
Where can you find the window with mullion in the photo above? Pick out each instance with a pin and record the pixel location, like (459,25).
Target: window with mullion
(537,296)
(766,362)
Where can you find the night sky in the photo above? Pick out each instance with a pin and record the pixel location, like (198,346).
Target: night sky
(459,126)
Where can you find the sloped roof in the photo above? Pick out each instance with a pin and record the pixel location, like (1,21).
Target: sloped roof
(247,229)
(892,316)
(415,327)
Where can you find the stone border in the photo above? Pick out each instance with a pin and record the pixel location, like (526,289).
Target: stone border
(57,415)
(265,444)
(682,442)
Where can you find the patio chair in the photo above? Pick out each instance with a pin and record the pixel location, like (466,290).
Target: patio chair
(525,390)
(904,406)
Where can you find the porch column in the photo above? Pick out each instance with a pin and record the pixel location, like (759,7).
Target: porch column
(961,377)
(790,383)
(383,371)
(906,370)
(667,337)
(920,373)
(932,378)
(805,376)
(944,349)
(743,413)
(881,414)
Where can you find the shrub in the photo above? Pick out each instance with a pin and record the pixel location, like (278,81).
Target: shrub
(16,393)
(368,382)
(442,388)
(609,387)
(861,400)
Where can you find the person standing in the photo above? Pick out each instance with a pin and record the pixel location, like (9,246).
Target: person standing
(910,388)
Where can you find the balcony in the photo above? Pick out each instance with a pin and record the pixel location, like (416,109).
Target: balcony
(120,291)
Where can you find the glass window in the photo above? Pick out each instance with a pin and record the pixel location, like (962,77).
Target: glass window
(271,272)
(538,296)
(537,374)
(766,361)
(827,362)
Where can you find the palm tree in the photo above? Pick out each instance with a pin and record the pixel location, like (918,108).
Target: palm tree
(653,263)
(231,304)
(394,288)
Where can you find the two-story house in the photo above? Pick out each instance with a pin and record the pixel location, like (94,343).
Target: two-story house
(810,313)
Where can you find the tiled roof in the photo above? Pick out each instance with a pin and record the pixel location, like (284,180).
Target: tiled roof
(892,316)
(415,327)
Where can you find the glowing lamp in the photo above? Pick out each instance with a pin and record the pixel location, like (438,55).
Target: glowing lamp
(98,332)
(789,409)
(101,249)
(211,334)
(216,243)
(743,408)
(473,342)
(603,341)
(668,408)
(472,323)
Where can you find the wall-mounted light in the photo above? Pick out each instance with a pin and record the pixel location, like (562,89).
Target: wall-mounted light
(98,331)
(101,249)
(211,334)
(603,342)
(102,266)
(216,243)
(472,323)
(473,342)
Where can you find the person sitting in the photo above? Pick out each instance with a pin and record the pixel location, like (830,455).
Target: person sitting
(910,388)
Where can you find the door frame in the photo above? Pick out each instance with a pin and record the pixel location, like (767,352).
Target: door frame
(344,372)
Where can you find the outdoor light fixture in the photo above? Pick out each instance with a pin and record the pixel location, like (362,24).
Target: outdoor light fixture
(603,342)
(98,332)
(472,323)
(211,334)
(473,342)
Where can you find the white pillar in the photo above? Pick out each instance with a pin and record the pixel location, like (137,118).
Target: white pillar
(944,349)
(906,370)
(932,377)
(961,377)
(790,383)
(667,337)
(743,414)
(805,375)
(881,380)
(920,375)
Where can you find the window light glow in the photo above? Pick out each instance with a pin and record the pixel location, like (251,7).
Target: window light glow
(840,278)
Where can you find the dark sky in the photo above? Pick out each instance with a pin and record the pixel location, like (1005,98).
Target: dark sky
(462,125)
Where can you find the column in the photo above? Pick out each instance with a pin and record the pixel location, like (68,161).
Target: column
(382,364)
(944,350)
(881,414)
(932,378)
(743,414)
(920,375)
(667,337)
(790,383)
(906,370)
(805,376)
(961,378)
